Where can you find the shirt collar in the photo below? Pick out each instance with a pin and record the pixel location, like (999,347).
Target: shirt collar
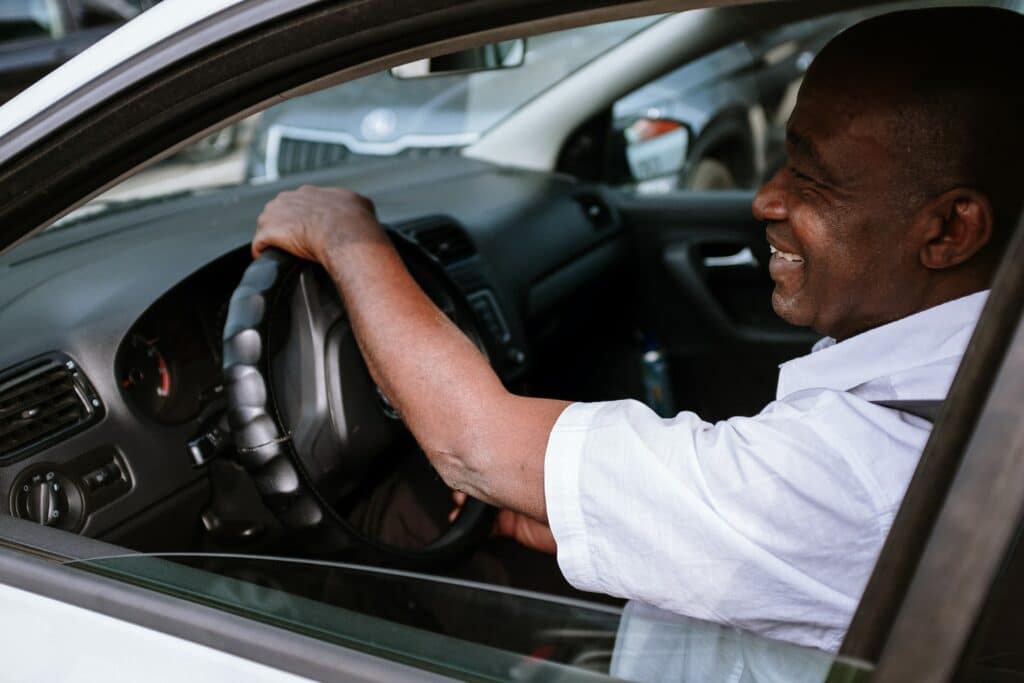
(919,339)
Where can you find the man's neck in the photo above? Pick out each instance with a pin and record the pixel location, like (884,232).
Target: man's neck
(949,289)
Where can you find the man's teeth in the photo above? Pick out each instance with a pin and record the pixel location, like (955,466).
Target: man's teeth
(785,255)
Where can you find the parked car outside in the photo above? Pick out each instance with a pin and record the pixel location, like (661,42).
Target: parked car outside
(37,36)
(428,117)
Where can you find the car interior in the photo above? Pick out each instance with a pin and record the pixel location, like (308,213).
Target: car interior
(148,404)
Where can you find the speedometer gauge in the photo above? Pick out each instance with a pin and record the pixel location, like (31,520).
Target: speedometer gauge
(146,375)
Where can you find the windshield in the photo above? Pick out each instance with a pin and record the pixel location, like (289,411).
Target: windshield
(382,115)
(371,118)
(469,630)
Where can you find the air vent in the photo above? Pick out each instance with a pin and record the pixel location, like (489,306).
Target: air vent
(42,402)
(448,243)
(488,312)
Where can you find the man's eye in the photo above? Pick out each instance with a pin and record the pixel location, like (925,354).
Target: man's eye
(807,186)
(798,175)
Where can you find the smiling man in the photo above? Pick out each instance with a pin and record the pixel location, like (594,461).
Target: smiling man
(886,225)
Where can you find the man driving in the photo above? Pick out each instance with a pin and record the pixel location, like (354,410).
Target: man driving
(885,226)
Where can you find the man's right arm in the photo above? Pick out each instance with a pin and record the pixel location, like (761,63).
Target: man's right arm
(482,439)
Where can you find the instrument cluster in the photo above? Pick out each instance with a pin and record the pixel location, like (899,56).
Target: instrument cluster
(169,364)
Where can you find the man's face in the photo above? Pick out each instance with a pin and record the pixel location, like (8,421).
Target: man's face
(840,263)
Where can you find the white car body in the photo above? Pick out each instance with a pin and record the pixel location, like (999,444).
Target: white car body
(95,648)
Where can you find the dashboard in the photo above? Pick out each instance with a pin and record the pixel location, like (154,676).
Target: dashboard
(126,311)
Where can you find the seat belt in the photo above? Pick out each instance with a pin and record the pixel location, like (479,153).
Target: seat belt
(924,409)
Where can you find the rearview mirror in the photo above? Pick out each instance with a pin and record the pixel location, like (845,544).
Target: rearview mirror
(507,54)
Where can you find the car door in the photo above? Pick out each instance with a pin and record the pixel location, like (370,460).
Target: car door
(700,264)
(61,171)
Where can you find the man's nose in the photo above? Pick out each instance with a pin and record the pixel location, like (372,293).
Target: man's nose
(769,202)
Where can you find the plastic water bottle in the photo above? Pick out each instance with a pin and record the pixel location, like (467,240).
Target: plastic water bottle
(657,384)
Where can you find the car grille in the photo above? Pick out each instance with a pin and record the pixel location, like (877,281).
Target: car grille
(299,156)
(295,156)
(42,401)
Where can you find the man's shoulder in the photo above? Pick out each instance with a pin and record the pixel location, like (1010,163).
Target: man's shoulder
(839,408)
(841,419)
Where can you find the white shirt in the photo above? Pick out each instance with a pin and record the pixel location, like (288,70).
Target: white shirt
(769,523)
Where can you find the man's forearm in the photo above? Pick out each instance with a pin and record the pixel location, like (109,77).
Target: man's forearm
(482,439)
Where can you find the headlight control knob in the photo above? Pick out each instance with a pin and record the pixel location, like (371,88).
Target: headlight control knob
(46,503)
(47,497)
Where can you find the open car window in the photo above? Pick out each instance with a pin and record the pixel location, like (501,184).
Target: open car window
(468,630)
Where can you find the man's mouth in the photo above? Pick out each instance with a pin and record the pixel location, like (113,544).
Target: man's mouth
(785,255)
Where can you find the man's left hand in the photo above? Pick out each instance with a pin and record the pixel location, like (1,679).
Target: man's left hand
(515,525)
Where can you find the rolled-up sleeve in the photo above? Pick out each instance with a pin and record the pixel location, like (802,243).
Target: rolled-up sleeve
(768,523)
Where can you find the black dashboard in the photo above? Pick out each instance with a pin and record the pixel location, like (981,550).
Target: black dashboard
(125,313)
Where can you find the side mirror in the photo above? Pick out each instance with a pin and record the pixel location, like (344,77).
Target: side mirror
(655,148)
(507,54)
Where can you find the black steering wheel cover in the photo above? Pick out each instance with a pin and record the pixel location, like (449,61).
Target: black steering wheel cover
(261,446)
(266,451)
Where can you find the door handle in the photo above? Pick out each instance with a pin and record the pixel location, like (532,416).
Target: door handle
(683,267)
(744,258)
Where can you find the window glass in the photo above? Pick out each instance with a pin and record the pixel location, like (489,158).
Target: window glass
(721,119)
(733,105)
(371,119)
(469,630)
(27,19)
(716,123)
(107,12)
(382,116)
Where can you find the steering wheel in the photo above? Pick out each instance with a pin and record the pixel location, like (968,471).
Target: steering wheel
(308,421)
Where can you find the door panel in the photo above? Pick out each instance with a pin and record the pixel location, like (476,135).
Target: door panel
(703,290)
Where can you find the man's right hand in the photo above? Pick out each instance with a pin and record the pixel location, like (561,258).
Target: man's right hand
(311,221)
(522,528)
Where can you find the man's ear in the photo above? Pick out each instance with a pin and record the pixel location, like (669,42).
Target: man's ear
(956,225)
